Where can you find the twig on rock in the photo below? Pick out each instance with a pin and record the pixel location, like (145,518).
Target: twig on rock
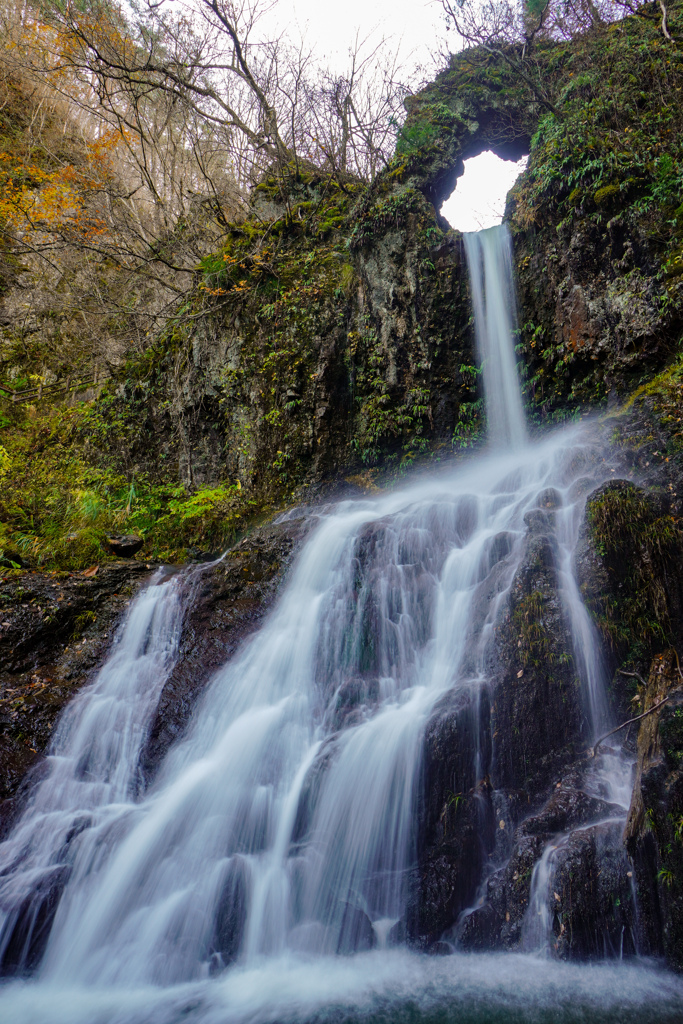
(636,675)
(630,721)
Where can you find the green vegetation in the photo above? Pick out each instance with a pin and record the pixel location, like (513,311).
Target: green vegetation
(607,181)
(535,640)
(665,392)
(330,331)
(639,542)
(57,505)
(273,295)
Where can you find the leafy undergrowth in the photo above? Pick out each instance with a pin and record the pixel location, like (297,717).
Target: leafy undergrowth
(616,147)
(666,394)
(57,508)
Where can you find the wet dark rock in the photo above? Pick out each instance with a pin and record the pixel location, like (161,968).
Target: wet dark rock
(498,922)
(440,949)
(592,895)
(16,761)
(498,548)
(32,921)
(537,521)
(226,603)
(310,790)
(230,915)
(55,629)
(351,701)
(492,756)
(550,499)
(654,833)
(569,807)
(125,545)
(456,826)
(538,717)
(480,930)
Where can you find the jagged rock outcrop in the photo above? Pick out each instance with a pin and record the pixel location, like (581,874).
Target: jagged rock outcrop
(536,792)
(331,336)
(654,832)
(457,827)
(539,721)
(592,902)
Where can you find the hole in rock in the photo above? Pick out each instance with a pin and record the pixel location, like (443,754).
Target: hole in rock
(478,201)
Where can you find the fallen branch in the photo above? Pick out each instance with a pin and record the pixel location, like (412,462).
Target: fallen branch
(636,675)
(630,721)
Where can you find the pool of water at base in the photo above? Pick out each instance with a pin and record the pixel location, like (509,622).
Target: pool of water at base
(388,987)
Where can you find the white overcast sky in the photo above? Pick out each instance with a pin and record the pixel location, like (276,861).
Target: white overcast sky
(330,30)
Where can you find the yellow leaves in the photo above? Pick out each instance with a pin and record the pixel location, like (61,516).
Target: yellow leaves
(39,200)
(212,291)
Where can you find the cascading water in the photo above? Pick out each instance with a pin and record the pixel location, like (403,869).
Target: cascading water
(91,773)
(281,829)
(489,258)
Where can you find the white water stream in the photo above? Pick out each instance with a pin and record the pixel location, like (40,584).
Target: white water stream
(489,258)
(280,831)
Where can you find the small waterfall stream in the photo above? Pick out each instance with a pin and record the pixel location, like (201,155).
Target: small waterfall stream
(489,259)
(281,829)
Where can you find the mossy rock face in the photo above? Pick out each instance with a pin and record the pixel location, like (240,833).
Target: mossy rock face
(477,103)
(594,217)
(629,569)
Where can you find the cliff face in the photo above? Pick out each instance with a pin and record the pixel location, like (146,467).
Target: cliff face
(599,224)
(364,355)
(331,335)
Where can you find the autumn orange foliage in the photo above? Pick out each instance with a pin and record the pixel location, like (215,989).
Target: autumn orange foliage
(36,199)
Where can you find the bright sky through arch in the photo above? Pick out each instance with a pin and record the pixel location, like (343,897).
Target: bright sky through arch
(419,30)
(479,198)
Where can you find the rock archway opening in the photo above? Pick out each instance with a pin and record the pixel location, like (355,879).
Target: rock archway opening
(478,200)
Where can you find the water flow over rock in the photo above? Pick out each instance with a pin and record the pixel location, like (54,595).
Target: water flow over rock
(285,819)
(91,772)
(284,822)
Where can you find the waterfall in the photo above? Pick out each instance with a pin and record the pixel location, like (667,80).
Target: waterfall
(280,831)
(91,774)
(489,258)
(285,819)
